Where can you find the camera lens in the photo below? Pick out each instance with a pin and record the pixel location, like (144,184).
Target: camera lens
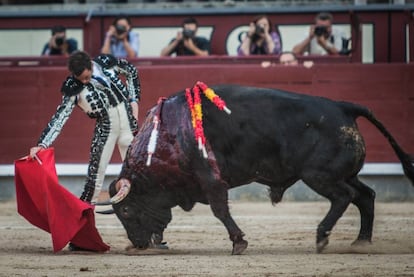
(59,41)
(120,29)
(320,30)
(259,30)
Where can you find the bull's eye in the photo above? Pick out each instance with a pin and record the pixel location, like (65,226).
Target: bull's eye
(125,211)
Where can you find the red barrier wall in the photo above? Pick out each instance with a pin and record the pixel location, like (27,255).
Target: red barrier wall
(30,95)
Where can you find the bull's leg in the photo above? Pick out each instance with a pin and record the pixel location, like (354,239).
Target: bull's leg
(218,200)
(340,194)
(364,200)
(221,211)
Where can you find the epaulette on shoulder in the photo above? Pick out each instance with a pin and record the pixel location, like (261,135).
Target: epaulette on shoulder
(106,60)
(71,86)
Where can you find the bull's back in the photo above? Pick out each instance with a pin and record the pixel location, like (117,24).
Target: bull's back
(269,134)
(269,114)
(273,132)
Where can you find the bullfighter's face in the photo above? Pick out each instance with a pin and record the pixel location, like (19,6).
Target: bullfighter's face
(141,216)
(85,76)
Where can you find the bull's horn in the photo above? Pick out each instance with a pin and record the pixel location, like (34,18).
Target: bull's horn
(122,192)
(103,203)
(110,211)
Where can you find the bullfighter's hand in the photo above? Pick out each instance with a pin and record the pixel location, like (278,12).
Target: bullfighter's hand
(34,150)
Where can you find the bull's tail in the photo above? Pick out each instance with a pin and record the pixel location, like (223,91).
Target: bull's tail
(406,159)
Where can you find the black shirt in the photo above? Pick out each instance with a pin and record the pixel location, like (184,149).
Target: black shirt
(72,47)
(201,43)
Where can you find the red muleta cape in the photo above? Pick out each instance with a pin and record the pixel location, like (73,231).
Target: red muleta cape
(48,205)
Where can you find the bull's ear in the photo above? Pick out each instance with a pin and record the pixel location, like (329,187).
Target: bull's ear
(122,188)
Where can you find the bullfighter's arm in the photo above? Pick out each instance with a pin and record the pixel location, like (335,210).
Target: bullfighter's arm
(56,123)
(70,90)
(133,84)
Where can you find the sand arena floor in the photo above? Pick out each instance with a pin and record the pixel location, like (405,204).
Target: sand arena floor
(281,243)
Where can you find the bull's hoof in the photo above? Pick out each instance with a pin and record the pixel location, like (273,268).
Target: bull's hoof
(239,247)
(134,251)
(321,245)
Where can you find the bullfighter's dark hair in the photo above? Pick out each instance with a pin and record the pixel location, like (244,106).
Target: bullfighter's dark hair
(78,62)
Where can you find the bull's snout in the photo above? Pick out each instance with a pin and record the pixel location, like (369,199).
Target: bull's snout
(141,244)
(141,240)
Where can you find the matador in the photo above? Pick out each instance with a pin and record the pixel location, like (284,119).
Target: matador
(95,86)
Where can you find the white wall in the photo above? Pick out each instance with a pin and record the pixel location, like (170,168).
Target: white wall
(153,39)
(30,42)
(26,42)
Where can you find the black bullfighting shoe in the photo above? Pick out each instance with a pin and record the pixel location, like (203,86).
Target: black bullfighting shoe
(73,247)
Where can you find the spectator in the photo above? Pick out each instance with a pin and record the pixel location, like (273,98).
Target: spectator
(120,41)
(58,44)
(322,39)
(186,42)
(261,39)
(288,58)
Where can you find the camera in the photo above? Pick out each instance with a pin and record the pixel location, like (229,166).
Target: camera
(320,31)
(259,30)
(120,29)
(59,41)
(187,33)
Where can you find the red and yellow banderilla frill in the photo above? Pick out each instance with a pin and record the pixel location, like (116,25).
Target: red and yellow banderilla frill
(194,104)
(195,107)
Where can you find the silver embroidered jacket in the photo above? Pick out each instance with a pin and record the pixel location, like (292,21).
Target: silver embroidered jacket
(104,90)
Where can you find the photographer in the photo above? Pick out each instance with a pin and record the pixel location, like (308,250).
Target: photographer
(260,39)
(186,43)
(322,39)
(58,44)
(119,40)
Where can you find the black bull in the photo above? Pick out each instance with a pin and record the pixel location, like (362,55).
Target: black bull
(271,137)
